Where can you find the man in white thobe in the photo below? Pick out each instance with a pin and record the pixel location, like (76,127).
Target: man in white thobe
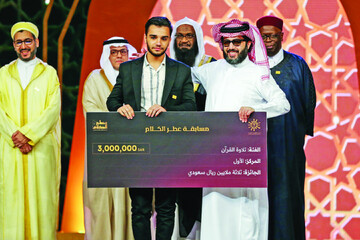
(241,82)
(106,210)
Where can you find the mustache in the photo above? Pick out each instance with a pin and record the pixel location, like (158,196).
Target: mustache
(184,44)
(25,49)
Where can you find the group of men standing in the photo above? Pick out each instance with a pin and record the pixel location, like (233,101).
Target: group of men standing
(256,74)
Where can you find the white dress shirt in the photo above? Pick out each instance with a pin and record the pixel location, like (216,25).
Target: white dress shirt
(152,84)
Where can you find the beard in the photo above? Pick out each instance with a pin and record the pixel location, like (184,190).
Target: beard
(153,53)
(185,55)
(239,59)
(31,57)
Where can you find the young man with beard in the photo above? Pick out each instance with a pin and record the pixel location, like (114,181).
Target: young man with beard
(153,84)
(29,141)
(241,82)
(106,210)
(187,46)
(286,135)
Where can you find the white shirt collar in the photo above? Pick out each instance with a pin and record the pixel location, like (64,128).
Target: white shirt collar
(147,64)
(275,60)
(30,63)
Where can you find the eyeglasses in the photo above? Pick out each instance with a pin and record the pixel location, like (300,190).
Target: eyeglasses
(27,42)
(123,52)
(270,36)
(235,42)
(187,36)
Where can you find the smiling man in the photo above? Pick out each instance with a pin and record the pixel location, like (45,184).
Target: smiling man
(29,141)
(106,210)
(145,85)
(187,46)
(241,83)
(286,135)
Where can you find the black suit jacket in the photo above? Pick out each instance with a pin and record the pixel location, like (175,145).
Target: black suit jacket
(178,94)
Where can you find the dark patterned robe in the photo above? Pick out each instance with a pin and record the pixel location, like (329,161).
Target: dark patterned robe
(286,157)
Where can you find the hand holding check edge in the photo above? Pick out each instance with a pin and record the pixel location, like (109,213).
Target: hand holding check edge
(244,113)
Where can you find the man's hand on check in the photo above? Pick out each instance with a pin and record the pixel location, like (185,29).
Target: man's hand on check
(244,113)
(126,111)
(155,110)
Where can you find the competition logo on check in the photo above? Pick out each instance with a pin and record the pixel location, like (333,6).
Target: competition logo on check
(99,126)
(254,125)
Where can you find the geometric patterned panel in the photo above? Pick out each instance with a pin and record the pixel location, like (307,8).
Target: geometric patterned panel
(319,31)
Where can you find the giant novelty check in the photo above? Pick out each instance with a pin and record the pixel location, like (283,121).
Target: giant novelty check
(176,149)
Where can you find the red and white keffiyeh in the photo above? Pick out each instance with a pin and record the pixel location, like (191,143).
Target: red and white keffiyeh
(235,28)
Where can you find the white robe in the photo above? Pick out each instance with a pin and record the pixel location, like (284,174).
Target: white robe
(237,213)
(107,212)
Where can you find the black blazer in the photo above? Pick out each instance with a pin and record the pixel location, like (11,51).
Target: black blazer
(178,94)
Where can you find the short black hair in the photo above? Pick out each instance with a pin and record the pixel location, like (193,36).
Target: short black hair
(158,21)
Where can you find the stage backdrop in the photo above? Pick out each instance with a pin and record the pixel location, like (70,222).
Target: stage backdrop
(317,30)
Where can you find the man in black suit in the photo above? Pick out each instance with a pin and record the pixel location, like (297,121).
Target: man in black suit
(153,84)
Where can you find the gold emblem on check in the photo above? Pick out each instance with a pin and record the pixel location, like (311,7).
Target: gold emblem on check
(254,125)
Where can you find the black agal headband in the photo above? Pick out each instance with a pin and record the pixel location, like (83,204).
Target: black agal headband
(242,28)
(115,41)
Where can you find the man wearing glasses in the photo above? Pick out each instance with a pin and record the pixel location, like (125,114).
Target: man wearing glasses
(241,83)
(106,210)
(286,135)
(187,46)
(29,141)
